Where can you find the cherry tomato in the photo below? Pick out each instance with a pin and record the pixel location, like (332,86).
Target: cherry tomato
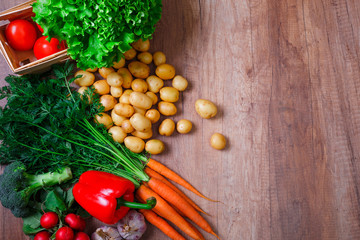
(81,236)
(75,222)
(43,235)
(49,220)
(21,35)
(64,233)
(44,48)
(40,28)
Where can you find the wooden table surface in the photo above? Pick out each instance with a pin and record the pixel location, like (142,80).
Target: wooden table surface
(285,75)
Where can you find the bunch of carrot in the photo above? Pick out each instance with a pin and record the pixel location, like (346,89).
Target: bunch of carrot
(172,204)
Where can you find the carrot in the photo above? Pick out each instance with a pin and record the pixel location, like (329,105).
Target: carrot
(197,231)
(161,224)
(154,174)
(163,209)
(166,172)
(175,199)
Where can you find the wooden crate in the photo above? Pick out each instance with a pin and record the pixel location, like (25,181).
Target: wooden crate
(24,62)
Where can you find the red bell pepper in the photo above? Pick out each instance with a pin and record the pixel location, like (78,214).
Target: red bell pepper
(106,196)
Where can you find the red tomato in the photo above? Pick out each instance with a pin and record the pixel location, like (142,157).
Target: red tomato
(64,233)
(75,222)
(49,220)
(44,48)
(43,235)
(21,35)
(40,28)
(81,236)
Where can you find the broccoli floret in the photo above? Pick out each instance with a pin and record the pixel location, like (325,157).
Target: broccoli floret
(17,186)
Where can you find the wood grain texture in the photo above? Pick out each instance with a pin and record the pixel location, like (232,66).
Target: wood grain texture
(285,75)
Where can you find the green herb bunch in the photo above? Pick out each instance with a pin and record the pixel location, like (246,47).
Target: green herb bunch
(98,32)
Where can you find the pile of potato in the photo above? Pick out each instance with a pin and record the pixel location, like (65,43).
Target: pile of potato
(130,95)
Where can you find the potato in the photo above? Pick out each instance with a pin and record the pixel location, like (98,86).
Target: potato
(167,127)
(154,146)
(92,70)
(125,110)
(139,69)
(180,83)
(141,46)
(116,91)
(143,135)
(117,119)
(104,119)
(117,134)
(126,126)
(102,87)
(130,54)
(205,108)
(108,102)
(165,71)
(86,80)
(159,58)
(125,97)
(153,97)
(145,57)
(153,115)
(140,110)
(183,126)
(218,141)
(166,108)
(140,123)
(104,72)
(140,100)
(119,64)
(114,79)
(169,94)
(139,85)
(154,83)
(134,144)
(82,91)
(127,77)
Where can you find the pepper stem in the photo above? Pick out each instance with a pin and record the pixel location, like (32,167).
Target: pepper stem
(150,204)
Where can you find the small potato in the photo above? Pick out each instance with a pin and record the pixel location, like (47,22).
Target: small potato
(130,54)
(139,69)
(145,57)
(141,46)
(119,64)
(82,91)
(140,123)
(108,102)
(104,72)
(167,127)
(127,77)
(218,141)
(153,115)
(125,110)
(169,94)
(86,80)
(140,100)
(205,108)
(92,70)
(165,71)
(102,87)
(126,126)
(128,91)
(114,79)
(183,126)
(167,109)
(140,110)
(159,58)
(155,83)
(139,85)
(117,119)
(117,134)
(104,119)
(125,97)
(180,83)
(153,97)
(154,146)
(134,144)
(143,135)
(116,91)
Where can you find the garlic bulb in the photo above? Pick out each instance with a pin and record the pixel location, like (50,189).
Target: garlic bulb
(132,226)
(106,233)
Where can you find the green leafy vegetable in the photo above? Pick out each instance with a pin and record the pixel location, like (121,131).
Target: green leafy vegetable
(98,32)
(32,224)
(54,202)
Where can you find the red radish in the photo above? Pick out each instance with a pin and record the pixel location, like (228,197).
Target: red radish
(81,236)
(21,34)
(43,235)
(64,233)
(75,222)
(49,220)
